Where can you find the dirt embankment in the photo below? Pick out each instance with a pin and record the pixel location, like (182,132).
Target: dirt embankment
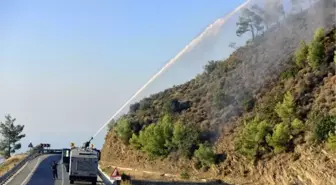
(11,162)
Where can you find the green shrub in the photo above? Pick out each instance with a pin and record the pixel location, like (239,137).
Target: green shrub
(175,106)
(185,138)
(280,138)
(124,130)
(134,107)
(297,126)
(265,108)
(211,66)
(331,142)
(316,49)
(285,110)
(315,55)
(152,142)
(324,125)
(184,175)
(161,138)
(135,141)
(172,106)
(145,104)
(319,34)
(301,54)
(205,155)
(156,138)
(167,127)
(288,73)
(252,141)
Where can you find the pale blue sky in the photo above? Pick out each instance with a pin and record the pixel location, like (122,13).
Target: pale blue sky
(67,66)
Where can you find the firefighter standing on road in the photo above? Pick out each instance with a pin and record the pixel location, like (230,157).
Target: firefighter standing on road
(54,170)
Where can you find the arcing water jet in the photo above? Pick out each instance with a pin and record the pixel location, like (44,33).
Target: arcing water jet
(211,29)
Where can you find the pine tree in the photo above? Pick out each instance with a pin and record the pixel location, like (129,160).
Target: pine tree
(253,138)
(301,54)
(185,139)
(280,138)
(245,25)
(249,21)
(316,49)
(285,110)
(205,155)
(11,136)
(263,14)
(124,130)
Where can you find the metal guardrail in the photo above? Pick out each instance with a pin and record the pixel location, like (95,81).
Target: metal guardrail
(105,178)
(5,177)
(11,172)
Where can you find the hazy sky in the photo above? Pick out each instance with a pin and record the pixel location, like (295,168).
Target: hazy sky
(67,66)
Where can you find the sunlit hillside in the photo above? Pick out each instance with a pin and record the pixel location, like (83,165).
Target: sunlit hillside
(264,115)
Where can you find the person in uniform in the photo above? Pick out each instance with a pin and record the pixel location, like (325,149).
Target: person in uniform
(54,170)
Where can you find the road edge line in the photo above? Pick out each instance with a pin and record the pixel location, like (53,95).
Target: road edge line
(17,172)
(62,174)
(33,171)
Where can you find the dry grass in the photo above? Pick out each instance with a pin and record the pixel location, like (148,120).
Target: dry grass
(136,174)
(125,183)
(11,162)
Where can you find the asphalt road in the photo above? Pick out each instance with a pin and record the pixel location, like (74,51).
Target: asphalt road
(38,172)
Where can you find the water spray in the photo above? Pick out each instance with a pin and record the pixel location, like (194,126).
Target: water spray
(212,28)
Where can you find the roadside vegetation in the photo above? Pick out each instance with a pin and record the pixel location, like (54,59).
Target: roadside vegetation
(298,114)
(11,162)
(10,143)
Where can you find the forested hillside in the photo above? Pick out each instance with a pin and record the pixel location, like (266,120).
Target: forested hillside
(265,115)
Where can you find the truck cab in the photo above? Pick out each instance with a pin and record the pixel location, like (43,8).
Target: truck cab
(83,165)
(66,158)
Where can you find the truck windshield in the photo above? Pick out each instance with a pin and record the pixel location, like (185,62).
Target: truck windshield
(66,153)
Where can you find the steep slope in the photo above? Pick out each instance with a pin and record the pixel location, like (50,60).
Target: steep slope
(249,84)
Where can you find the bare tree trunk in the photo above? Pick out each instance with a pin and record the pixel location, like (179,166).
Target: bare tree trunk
(8,152)
(252,31)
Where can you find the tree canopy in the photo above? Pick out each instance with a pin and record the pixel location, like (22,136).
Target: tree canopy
(11,135)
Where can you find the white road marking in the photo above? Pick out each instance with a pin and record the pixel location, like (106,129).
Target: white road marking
(62,174)
(31,173)
(10,179)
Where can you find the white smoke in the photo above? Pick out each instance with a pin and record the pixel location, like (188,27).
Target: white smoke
(212,29)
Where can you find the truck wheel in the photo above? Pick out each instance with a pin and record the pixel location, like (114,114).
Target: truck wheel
(94,182)
(71,181)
